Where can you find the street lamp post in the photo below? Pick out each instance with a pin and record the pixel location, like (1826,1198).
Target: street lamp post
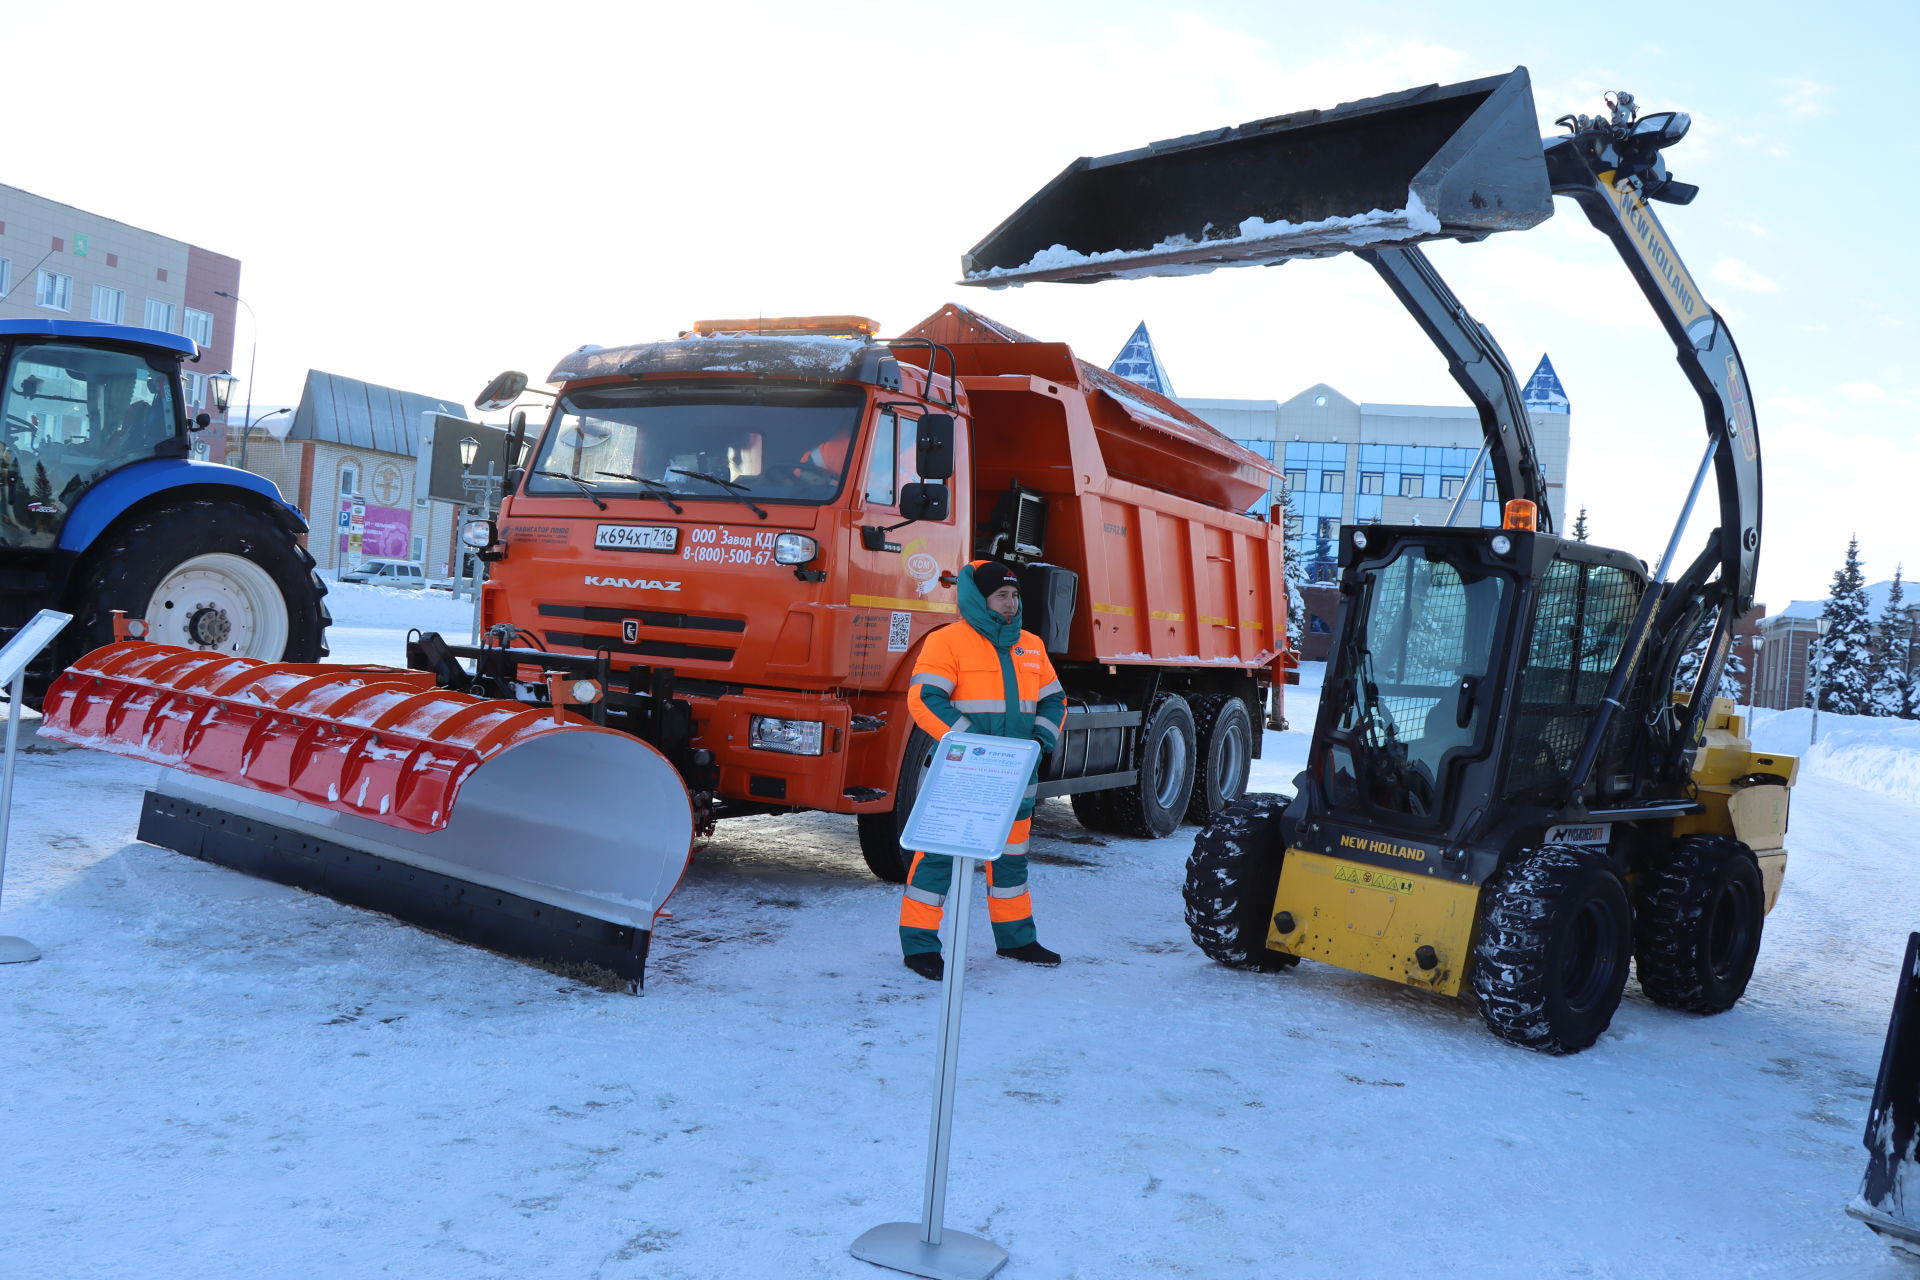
(1820,627)
(480,491)
(252,356)
(1753,680)
(246,436)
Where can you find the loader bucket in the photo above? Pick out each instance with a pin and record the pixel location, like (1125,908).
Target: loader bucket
(1445,161)
(529,831)
(1892,1138)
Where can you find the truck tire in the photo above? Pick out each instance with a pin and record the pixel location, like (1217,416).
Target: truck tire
(1155,804)
(1094,810)
(880,832)
(1698,923)
(205,575)
(1556,932)
(1223,757)
(1232,876)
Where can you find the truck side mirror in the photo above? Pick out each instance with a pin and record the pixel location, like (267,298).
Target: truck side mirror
(934,449)
(501,392)
(924,501)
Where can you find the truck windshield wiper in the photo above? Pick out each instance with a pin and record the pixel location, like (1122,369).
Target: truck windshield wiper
(739,491)
(586,486)
(654,488)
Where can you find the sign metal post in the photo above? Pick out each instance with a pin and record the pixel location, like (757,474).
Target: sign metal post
(19,651)
(965,808)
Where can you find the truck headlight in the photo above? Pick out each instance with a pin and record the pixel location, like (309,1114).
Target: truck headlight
(792,737)
(794,548)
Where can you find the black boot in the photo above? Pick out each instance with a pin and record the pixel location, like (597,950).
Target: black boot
(928,964)
(1032,953)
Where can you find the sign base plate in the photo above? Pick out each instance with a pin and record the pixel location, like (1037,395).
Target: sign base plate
(958,1256)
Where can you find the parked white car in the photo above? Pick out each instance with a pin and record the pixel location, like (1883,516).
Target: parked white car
(388,573)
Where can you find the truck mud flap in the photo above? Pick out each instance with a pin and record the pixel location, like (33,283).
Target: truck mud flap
(1454,161)
(524,830)
(1893,1123)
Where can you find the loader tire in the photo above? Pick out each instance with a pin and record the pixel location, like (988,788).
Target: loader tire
(1556,933)
(1223,755)
(1155,804)
(1698,924)
(205,574)
(1232,876)
(880,832)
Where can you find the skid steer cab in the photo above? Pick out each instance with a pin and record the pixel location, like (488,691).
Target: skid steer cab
(1433,841)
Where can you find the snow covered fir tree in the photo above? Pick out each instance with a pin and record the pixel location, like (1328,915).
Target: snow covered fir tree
(1840,670)
(1890,685)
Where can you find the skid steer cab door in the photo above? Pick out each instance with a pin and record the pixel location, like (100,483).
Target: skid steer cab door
(1405,736)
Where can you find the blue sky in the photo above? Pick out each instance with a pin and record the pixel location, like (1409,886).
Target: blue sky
(425,193)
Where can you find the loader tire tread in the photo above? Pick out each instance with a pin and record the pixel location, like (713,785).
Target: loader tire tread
(1551,958)
(1232,876)
(1701,910)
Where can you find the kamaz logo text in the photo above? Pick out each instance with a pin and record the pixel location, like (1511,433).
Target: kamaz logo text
(633,584)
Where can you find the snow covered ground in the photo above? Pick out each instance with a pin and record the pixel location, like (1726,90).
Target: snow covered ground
(215,1077)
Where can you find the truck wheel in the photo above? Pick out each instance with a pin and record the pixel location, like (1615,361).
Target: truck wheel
(1224,757)
(206,575)
(1155,804)
(1556,931)
(1232,876)
(1094,811)
(1697,929)
(880,832)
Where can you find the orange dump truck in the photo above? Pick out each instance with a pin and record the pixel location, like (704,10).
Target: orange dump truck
(730,546)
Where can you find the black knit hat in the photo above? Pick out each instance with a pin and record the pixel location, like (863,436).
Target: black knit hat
(991,575)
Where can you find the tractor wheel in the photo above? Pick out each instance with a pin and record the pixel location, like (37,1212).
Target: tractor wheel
(205,575)
(1556,933)
(880,832)
(1223,758)
(1698,925)
(1154,805)
(1232,875)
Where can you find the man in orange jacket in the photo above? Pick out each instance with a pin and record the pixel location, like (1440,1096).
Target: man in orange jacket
(983,674)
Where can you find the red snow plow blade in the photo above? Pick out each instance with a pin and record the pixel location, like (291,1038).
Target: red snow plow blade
(528,831)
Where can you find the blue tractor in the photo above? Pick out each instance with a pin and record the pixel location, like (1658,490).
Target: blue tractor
(102,507)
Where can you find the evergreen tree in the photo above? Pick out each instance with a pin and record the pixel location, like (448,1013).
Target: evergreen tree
(1888,677)
(1730,684)
(1580,526)
(1296,569)
(42,483)
(1842,659)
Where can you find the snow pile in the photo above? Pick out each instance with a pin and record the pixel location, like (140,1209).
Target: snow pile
(1330,235)
(1875,753)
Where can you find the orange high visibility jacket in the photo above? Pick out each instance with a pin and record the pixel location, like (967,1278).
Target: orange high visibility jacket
(964,682)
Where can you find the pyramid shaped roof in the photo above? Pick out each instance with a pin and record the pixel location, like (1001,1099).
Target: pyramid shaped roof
(1139,362)
(1543,392)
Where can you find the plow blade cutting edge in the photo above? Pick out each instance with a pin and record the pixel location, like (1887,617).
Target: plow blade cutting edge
(1441,162)
(528,831)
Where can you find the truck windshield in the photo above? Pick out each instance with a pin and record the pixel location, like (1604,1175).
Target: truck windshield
(767,441)
(1413,674)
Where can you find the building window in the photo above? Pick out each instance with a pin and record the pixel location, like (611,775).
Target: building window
(195,387)
(349,479)
(1317,625)
(55,291)
(1449,486)
(1296,480)
(1370,481)
(109,305)
(1489,491)
(159,315)
(1410,486)
(198,325)
(6,276)
(1332,481)
(1329,526)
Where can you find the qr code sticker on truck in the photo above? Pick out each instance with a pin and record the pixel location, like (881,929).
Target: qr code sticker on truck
(899,632)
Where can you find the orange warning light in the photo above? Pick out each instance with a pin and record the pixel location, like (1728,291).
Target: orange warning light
(1521,514)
